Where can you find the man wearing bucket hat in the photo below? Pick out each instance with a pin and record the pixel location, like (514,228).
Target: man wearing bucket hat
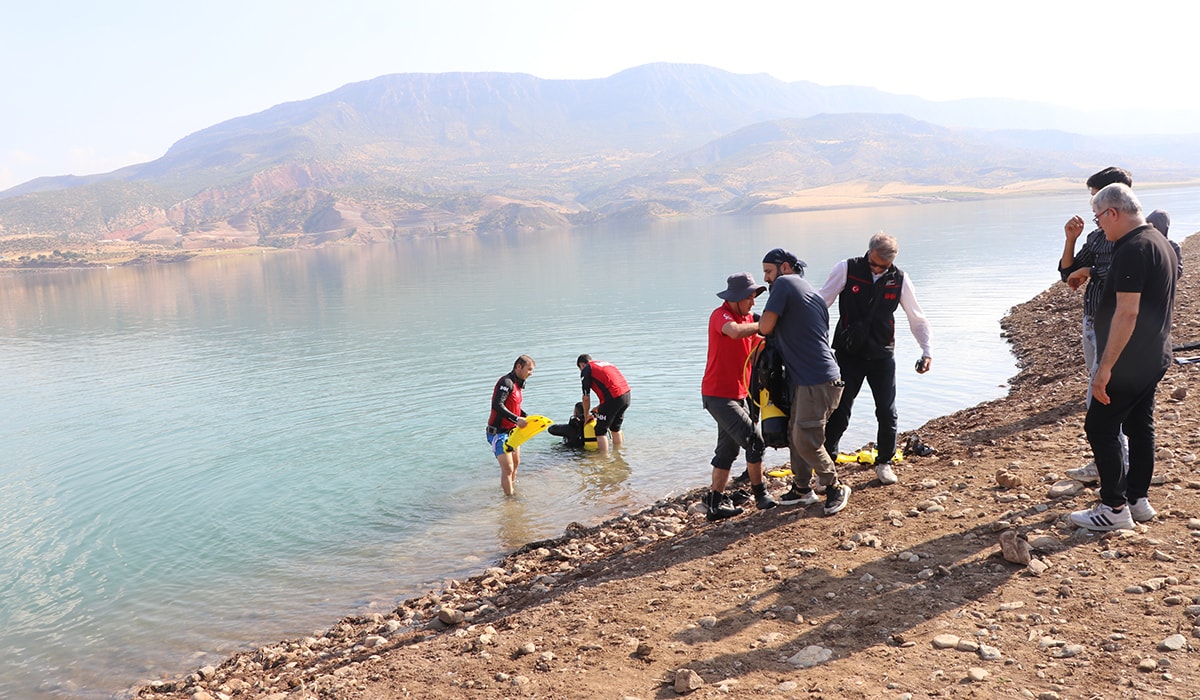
(732,335)
(799,321)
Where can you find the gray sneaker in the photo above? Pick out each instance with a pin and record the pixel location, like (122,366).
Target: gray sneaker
(1087,474)
(1142,511)
(885,474)
(836,497)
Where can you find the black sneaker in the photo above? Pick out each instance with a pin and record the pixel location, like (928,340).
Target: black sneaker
(763,501)
(795,496)
(720,507)
(739,497)
(836,497)
(742,479)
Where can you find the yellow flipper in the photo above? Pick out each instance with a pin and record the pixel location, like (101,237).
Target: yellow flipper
(533,426)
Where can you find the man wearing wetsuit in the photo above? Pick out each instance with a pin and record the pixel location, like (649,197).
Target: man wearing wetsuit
(507,415)
(571,432)
(613,391)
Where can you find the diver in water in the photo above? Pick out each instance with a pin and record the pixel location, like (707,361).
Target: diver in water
(579,431)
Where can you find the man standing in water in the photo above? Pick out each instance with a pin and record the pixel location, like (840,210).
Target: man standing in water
(1133,326)
(798,318)
(732,333)
(868,290)
(507,415)
(613,392)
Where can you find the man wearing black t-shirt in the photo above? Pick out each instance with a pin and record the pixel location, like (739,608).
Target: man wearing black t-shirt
(1133,326)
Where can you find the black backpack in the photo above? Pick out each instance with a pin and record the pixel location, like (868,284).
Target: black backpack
(770,391)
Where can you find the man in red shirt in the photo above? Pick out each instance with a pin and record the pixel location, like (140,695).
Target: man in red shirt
(613,392)
(732,336)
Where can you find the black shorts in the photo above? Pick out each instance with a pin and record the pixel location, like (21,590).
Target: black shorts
(611,414)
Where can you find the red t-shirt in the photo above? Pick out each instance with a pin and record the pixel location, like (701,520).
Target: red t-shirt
(726,371)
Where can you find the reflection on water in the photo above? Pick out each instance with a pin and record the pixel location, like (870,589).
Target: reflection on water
(203,457)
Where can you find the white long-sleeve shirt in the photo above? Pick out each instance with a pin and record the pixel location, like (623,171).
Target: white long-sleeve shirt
(917,322)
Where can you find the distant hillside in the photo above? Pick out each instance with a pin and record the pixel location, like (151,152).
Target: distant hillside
(422,154)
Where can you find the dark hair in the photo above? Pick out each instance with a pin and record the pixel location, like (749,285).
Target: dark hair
(583,359)
(1108,176)
(522,361)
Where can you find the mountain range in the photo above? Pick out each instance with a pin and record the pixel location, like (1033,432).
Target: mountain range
(454,153)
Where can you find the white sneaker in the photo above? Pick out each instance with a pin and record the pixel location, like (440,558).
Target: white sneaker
(885,473)
(1142,511)
(1102,518)
(1086,474)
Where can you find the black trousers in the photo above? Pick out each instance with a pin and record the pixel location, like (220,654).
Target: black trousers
(1131,410)
(880,375)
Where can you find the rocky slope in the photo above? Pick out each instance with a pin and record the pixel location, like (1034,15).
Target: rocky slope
(907,593)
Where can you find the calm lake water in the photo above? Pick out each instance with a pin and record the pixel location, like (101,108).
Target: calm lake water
(201,458)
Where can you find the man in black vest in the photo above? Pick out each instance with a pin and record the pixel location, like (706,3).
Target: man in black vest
(868,290)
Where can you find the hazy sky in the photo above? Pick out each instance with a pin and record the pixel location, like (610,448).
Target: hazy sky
(90,86)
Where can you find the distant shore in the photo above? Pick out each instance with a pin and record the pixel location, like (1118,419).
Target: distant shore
(33,252)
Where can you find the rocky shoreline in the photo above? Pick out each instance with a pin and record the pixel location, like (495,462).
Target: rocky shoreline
(963,580)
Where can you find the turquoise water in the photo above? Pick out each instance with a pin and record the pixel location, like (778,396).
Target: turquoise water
(205,457)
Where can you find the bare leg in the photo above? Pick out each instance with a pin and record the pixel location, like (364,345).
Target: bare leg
(618,439)
(602,444)
(508,471)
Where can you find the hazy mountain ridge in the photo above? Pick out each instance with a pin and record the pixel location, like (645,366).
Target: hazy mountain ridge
(421,154)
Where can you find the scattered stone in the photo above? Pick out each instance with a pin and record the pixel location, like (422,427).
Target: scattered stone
(1175,642)
(989,653)
(1179,393)
(1007,479)
(945,641)
(1160,555)
(1015,549)
(707,622)
(1147,665)
(526,649)
(811,656)
(1064,488)
(450,616)
(687,680)
(976,674)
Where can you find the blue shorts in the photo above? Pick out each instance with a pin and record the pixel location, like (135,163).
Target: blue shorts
(499,442)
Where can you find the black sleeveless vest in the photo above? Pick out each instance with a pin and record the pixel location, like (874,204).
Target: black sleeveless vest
(876,339)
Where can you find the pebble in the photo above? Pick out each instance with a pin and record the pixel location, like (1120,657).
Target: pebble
(976,674)
(687,680)
(945,641)
(1066,487)
(1147,665)
(1175,642)
(811,656)
(989,653)
(707,622)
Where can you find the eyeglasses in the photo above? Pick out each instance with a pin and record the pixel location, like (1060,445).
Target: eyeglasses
(1096,218)
(877,266)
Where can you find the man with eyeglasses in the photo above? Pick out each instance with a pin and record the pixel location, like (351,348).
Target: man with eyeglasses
(868,290)
(1090,266)
(1133,327)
